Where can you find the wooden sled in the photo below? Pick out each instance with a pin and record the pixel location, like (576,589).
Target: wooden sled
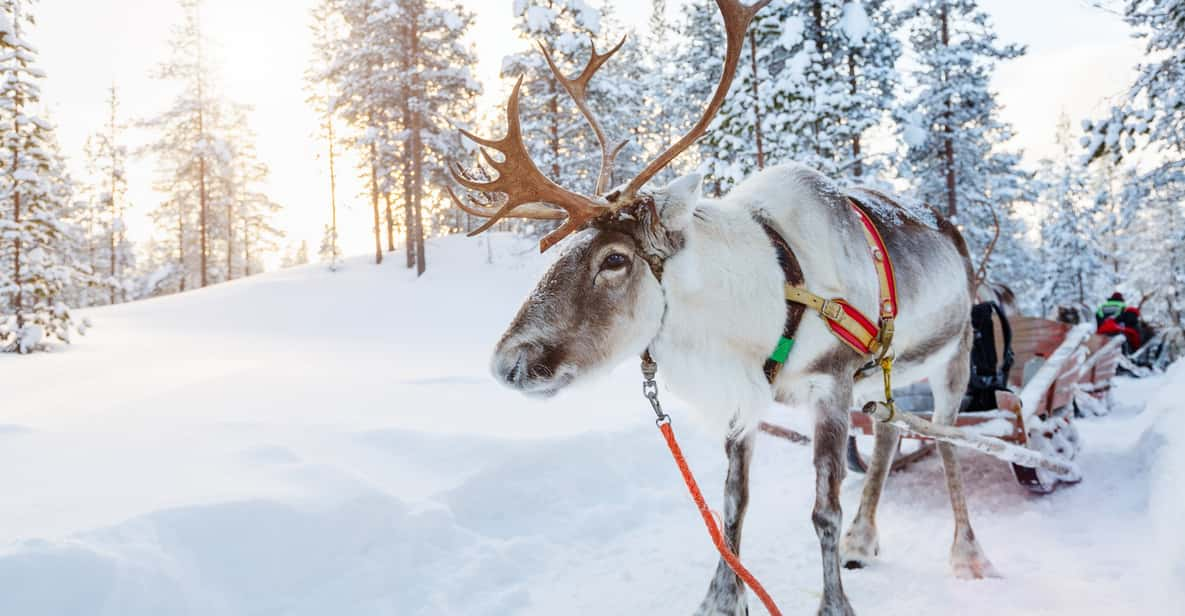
(1060,371)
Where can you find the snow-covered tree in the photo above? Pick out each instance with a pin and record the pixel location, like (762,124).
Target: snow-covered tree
(816,77)
(183,147)
(326,27)
(403,73)
(1146,129)
(37,254)
(838,83)
(696,66)
(207,166)
(1071,262)
(954,139)
(109,257)
(555,133)
(1152,110)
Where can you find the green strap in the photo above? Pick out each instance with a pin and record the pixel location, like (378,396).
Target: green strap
(782,351)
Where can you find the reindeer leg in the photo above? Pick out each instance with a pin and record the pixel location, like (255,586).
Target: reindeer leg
(830,399)
(726,595)
(860,545)
(966,557)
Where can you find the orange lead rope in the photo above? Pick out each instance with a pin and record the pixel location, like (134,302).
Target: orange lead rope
(650,390)
(734,563)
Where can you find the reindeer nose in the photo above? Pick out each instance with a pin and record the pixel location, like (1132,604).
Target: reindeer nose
(514,375)
(512,368)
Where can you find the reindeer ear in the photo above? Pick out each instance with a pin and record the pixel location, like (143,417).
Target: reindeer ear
(676,202)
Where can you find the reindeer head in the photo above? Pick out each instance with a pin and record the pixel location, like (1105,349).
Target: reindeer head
(603,299)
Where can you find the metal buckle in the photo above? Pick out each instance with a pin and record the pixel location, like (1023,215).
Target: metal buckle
(831,310)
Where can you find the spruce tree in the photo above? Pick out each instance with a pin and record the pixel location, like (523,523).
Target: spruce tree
(954,156)
(1146,129)
(553,129)
(37,256)
(326,28)
(109,257)
(1070,260)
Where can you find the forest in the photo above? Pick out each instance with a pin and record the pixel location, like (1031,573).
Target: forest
(895,95)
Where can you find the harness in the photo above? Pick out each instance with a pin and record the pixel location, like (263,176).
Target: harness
(844,320)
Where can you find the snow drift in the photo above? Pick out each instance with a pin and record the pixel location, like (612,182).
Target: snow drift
(309,442)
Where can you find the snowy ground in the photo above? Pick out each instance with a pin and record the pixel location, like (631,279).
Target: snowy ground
(316,443)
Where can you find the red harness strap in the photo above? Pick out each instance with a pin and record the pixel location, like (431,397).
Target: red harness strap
(845,320)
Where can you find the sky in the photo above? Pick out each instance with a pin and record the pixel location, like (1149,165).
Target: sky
(1078,57)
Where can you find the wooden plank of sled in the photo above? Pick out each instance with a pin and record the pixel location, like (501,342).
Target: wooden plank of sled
(1035,396)
(1032,338)
(1101,365)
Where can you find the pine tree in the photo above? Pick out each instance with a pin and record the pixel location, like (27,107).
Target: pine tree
(954,155)
(438,89)
(36,253)
(215,214)
(553,129)
(1070,260)
(1147,129)
(815,78)
(184,148)
(697,65)
(326,27)
(361,73)
(839,79)
(110,260)
(1151,111)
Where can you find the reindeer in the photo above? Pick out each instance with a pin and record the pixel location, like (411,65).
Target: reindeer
(698,284)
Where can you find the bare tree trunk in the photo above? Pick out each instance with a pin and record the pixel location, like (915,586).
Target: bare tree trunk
(374,203)
(202,219)
(230,238)
(857,164)
(417,151)
(114,207)
(948,143)
(181,244)
(332,193)
(16,217)
(17,105)
(390,222)
(409,214)
(246,247)
(817,16)
(756,101)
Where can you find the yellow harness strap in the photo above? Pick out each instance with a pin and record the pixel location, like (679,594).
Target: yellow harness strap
(866,338)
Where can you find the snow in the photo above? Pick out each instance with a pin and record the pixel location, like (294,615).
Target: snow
(539,18)
(855,23)
(307,442)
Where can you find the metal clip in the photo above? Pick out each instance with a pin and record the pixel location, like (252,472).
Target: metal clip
(650,389)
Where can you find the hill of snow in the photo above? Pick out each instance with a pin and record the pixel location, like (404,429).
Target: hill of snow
(308,442)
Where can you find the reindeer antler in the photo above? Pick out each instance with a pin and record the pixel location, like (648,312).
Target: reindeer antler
(530,194)
(737,17)
(981,273)
(577,88)
(523,184)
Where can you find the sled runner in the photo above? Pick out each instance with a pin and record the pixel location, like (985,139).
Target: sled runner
(1061,371)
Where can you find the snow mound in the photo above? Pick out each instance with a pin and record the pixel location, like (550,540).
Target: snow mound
(307,442)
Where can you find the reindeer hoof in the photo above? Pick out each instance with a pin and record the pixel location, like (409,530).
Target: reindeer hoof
(858,552)
(974,569)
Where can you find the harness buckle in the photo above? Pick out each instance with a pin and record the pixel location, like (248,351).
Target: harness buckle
(831,310)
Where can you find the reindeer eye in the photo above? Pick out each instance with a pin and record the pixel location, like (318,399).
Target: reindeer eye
(615,261)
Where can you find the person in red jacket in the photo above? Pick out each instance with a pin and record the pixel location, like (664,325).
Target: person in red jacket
(1115,317)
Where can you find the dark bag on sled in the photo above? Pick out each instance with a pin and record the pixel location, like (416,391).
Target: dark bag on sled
(989,366)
